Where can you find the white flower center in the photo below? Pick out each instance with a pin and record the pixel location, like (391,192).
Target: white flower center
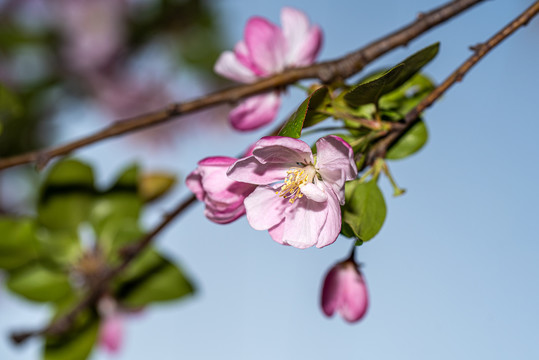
(296,178)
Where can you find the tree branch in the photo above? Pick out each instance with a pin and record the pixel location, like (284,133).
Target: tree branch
(341,68)
(380,148)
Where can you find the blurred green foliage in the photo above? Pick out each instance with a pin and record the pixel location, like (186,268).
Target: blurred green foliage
(78,232)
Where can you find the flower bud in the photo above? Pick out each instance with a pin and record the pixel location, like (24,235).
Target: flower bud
(345,291)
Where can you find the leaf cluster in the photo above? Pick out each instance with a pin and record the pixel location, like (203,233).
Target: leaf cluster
(77,232)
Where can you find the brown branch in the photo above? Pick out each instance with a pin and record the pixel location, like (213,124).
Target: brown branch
(341,68)
(380,148)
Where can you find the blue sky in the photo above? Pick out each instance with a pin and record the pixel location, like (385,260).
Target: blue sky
(453,273)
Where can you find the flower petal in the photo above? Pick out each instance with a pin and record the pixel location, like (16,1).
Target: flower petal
(284,150)
(223,196)
(313,192)
(224,217)
(335,153)
(354,299)
(111,333)
(332,225)
(255,111)
(265,208)
(303,41)
(229,66)
(276,232)
(194,183)
(303,223)
(330,291)
(266,45)
(242,54)
(250,170)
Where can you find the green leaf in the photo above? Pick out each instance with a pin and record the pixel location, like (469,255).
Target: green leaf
(76,344)
(116,233)
(152,278)
(154,185)
(371,91)
(62,248)
(365,209)
(66,195)
(122,201)
(306,114)
(409,143)
(18,243)
(38,283)
(406,97)
(10,104)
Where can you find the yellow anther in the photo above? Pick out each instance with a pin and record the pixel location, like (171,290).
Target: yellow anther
(295,178)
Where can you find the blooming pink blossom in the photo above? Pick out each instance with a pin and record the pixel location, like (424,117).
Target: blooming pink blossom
(223,197)
(267,50)
(94,31)
(298,198)
(344,291)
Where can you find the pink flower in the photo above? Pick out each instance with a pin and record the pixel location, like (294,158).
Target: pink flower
(344,291)
(267,50)
(223,197)
(111,333)
(111,330)
(298,198)
(94,31)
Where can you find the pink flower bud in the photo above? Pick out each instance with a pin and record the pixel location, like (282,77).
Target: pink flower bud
(345,291)
(111,333)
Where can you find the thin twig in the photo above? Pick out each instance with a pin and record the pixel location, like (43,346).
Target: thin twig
(328,71)
(380,148)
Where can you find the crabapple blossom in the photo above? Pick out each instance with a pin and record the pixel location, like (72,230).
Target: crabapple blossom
(267,50)
(298,196)
(223,197)
(344,291)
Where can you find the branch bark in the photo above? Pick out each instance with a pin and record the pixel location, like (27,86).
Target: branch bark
(341,68)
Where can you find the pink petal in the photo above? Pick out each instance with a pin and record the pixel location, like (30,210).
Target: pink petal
(224,217)
(242,54)
(229,66)
(276,232)
(265,208)
(332,226)
(280,149)
(255,111)
(303,224)
(330,291)
(313,192)
(354,299)
(223,197)
(303,41)
(266,45)
(111,333)
(335,153)
(335,161)
(194,183)
(250,170)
